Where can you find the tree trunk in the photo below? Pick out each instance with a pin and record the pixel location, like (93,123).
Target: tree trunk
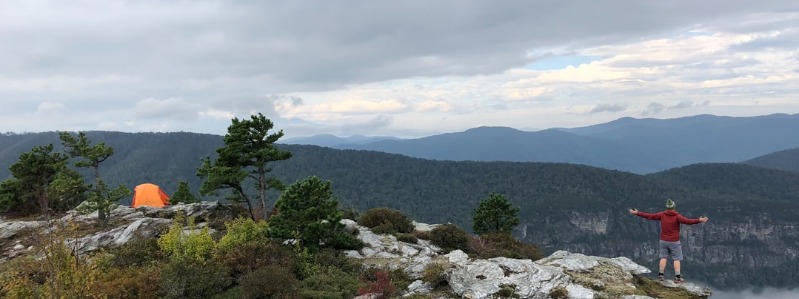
(262,191)
(249,205)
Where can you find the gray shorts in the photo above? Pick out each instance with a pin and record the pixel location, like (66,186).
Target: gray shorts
(671,249)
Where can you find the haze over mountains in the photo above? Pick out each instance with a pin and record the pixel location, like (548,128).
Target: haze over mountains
(627,144)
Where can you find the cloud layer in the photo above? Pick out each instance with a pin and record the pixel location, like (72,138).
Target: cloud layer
(406,68)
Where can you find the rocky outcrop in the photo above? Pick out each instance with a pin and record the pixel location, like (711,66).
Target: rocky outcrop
(572,275)
(126,224)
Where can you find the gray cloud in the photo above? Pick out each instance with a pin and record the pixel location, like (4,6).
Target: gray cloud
(608,108)
(167,109)
(103,57)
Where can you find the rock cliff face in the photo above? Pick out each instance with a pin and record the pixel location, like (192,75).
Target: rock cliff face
(560,275)
(744,246)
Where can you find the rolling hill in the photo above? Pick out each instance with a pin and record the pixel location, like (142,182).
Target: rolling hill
(628,144)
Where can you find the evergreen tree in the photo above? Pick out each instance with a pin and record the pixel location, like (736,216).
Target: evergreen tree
(183,194)
(41,182)
(308,212)
(495,215)
(101,199)
(248,149)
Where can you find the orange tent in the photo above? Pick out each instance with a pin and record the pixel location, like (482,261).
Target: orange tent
(149,195)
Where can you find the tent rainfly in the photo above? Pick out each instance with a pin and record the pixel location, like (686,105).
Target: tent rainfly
(149,195)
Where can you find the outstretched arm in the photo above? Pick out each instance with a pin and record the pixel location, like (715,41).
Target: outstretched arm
(655,216)
(684,220)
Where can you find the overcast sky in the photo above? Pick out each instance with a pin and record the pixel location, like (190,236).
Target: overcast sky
(400,68)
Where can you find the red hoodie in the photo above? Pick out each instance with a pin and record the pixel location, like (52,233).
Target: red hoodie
(669,223)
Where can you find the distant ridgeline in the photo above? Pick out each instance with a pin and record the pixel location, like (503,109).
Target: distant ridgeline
(750,241)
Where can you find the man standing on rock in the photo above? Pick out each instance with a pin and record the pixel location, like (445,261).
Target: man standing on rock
(670,245)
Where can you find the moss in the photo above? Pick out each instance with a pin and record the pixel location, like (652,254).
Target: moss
(559,293)
(656,289)
(506,291)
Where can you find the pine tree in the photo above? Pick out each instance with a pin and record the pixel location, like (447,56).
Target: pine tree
(495,215)
(183,194)
(249,147)
(102,199)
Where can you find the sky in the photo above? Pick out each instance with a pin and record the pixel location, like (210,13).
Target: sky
(390,68)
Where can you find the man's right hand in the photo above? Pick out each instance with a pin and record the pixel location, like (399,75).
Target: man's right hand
(634,211)
(703,219)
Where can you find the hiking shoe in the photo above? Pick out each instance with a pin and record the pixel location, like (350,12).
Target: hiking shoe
(661,277)
(679,280)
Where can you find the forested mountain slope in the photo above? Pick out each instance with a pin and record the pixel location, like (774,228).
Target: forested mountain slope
(787,160)
(751,239)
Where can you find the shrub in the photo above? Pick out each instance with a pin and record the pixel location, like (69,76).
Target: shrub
(392,221)
(349,213)
(449,237)
(330,282)
(423,235)
(178,244)
(252,256)
(407,238)
(268,282)
(129,282)
(191,278)
(242,231)
(136,252)
(333,258)
(502,245)
(435,275)
(381,286)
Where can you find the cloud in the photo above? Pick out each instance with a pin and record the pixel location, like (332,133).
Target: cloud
(432,105)
(174,108)
(608,108)
(50,108)
(397,59)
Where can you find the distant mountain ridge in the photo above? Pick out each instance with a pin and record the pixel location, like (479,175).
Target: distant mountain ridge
(637,145)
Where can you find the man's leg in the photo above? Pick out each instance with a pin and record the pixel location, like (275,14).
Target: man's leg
(663,265)
(677,267)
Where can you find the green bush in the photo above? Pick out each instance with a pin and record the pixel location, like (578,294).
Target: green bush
(269,282)
(502,245)
(128,282)
(423,235)
(190,278)
(392,221)
(408,238)
(337,259)
(178,244)
(330,282)
(435,275)
(252,256)
(241,231)
(450,237)
(137,252)
(349,213)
